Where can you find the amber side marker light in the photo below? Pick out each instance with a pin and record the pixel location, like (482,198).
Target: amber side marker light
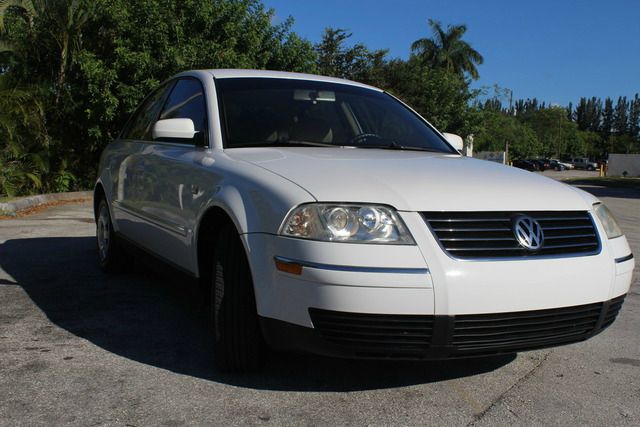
(289,267)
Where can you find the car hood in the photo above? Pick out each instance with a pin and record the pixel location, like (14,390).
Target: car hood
(413,181)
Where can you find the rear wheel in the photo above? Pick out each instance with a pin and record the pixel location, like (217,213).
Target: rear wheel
(110,252)
(239,345)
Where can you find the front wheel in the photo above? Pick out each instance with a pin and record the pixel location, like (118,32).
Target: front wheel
(239,345)
(110,251)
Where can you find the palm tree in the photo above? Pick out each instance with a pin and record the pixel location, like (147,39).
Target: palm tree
(447,50)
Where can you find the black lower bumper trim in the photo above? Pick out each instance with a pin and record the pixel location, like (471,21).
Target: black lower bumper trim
(423,337)
(624,258)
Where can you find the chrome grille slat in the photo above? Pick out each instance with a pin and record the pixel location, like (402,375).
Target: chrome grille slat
(570,245)
(511,248)
(474,239)
(562,219)
(570,236)
(472,229)
(471,220)
(573,227)
(486,235)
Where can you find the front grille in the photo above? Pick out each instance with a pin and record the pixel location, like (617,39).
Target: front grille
(472,235)
(484,333)
(375,335)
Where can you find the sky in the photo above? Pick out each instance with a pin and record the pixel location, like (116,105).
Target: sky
(556,51)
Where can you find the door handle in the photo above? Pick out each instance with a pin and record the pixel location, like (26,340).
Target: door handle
(195,189)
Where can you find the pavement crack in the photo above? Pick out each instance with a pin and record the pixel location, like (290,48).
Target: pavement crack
(478,417)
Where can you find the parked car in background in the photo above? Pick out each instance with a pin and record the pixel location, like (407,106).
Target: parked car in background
(556,165)
(567,165)
(325,215)
(543,164)
(584,163)
(526,165)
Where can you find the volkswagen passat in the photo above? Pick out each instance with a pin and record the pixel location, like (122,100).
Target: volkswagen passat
(325,215)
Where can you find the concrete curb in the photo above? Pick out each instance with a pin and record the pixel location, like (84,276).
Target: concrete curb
(14,206)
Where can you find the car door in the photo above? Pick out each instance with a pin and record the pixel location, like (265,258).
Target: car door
(175,178)
(129,178)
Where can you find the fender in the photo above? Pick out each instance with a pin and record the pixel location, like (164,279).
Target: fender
(251,209)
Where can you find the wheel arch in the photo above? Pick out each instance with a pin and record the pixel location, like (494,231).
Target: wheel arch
(213,219)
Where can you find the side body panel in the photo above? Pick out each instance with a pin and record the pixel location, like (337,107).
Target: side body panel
(159,192)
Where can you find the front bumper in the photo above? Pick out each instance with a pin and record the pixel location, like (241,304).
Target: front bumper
(387,282)
(376,336)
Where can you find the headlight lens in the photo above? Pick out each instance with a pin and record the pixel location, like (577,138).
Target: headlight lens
(346,223)
(607,220)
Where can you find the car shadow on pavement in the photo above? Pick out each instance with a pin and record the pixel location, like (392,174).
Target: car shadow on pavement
(605,191)
(155,319)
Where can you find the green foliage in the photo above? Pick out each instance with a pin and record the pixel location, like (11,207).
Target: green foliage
(354,63)
(498,130)
(23,140)
(442,97)
(594,128)
(96,59)
(437,94)
(72,71)
(551,127)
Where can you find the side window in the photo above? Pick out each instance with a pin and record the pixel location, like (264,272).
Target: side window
(187,102)
(140,125)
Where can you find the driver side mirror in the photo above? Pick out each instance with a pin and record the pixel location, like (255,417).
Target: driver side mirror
(174,130)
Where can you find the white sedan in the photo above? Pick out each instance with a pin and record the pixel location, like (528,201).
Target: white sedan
(325,215)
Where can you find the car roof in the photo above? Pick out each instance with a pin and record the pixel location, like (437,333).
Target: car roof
(242,73)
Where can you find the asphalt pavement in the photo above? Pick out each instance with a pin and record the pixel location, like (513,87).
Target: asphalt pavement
(78,347)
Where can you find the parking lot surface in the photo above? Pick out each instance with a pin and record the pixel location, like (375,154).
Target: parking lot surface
(83,348)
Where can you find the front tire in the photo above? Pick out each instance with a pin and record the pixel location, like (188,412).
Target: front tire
(111,254)
(239,345)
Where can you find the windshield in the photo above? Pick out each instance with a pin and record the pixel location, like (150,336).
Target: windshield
(279,112)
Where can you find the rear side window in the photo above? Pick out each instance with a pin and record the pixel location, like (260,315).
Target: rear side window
(187,102)
(145,116)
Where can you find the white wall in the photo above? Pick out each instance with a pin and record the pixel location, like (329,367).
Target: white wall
(618,163)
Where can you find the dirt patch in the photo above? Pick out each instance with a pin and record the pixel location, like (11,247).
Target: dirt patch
(39,208)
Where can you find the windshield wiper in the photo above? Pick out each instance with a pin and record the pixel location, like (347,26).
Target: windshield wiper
(394,145)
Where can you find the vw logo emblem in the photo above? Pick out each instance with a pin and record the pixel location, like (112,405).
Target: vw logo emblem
(528,232)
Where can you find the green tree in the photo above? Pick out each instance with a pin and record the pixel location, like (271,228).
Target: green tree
(354,63)
(62,21)
(441,97)
(95,60)
(448,51)
(588,114)
(556,133)
(620,117)
(498,129)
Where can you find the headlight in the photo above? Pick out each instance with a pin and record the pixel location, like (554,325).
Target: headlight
(607,220)
(346,223)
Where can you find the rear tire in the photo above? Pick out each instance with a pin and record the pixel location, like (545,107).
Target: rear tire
(239,345)
(111,254)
